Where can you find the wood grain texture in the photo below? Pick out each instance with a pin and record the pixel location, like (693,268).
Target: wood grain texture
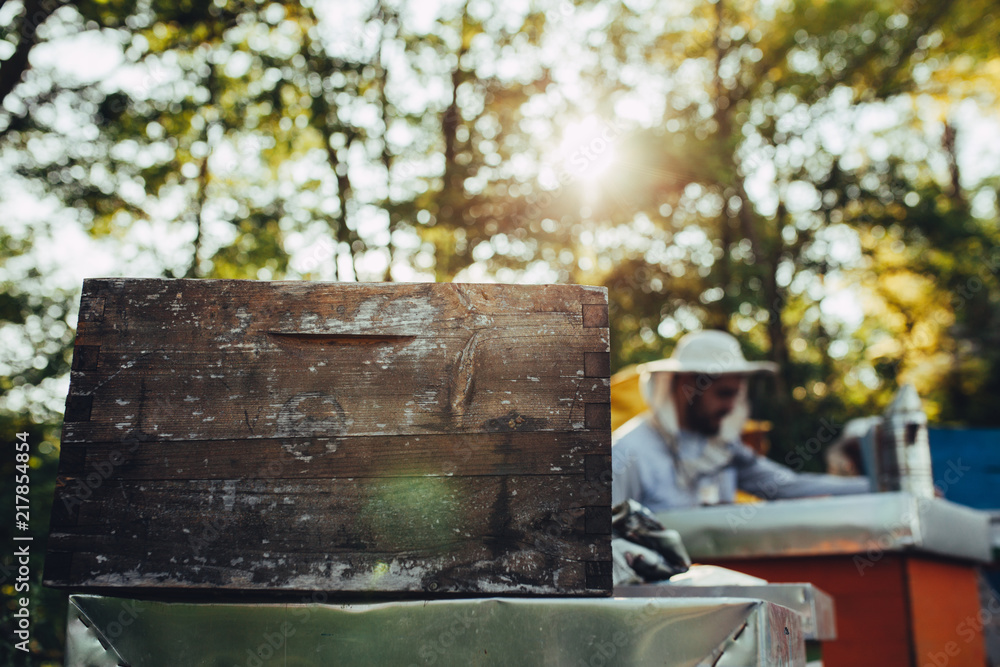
(441,438)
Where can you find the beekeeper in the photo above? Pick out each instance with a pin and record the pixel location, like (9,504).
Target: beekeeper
(685,451)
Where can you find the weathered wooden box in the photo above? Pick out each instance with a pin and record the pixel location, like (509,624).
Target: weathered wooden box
(294,436)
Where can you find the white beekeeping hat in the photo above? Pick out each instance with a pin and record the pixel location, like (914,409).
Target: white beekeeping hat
(711,353)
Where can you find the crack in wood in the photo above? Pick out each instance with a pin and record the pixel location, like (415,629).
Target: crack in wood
(339,338)
(463,297)
(124,367)
(463,376)
(247,416)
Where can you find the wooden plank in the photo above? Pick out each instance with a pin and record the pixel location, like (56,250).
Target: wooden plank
(197,404)
(538,453)
(348,573)
(441,438)
(170,529)
(263,376)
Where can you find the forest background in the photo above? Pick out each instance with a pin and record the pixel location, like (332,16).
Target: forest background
(819,178)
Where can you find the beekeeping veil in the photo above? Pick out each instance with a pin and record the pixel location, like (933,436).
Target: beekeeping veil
(708,354)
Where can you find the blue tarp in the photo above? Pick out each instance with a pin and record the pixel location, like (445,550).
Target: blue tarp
(966,465)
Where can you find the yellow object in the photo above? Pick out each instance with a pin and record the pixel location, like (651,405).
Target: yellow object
(626,400)
(742,497)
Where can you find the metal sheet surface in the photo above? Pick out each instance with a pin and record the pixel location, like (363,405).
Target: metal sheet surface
(594,632)
(814,606)
(834,525)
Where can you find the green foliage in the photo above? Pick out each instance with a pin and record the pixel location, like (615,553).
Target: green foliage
(769,84)
(38,340)
(47,606)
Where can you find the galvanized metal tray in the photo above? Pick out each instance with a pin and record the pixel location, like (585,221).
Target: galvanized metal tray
(835,525)
(594,632)
(813,605)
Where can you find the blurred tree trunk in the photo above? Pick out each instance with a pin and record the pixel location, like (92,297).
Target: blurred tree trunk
(35,13)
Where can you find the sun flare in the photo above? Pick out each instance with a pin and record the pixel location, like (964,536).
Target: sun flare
(587,150)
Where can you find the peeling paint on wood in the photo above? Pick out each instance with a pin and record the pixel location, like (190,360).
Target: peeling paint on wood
(434,438)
